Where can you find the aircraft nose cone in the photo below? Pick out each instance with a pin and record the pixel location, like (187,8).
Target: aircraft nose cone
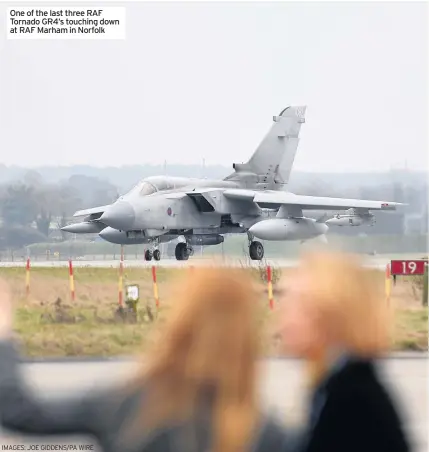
(120,215)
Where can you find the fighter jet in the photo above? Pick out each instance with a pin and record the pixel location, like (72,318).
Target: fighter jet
(252,200)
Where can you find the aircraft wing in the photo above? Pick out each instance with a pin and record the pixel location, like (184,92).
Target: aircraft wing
(91,211)
(279,198)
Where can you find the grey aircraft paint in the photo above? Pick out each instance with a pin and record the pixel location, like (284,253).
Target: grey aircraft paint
(253,199)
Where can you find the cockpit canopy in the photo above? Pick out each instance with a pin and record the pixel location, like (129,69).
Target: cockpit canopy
(147,188)
(153,184)
(143,188)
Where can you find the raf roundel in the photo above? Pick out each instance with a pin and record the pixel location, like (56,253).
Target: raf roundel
(169,211)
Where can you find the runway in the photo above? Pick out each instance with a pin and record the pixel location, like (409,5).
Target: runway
(282,389)
(372,262)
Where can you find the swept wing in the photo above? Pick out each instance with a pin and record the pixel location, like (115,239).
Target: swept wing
(277,198)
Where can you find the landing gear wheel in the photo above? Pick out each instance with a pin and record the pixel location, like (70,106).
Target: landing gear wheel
(181,252)
(148,255)
(256,251)
(157,255)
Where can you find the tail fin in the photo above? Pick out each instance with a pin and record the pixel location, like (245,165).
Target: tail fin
(271,163)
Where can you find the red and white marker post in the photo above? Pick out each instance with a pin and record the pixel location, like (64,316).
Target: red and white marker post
(121,278)
(270,287)
(27,277)
(71,280)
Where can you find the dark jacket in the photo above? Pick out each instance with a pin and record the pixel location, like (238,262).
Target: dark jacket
(103,416)
(351,411)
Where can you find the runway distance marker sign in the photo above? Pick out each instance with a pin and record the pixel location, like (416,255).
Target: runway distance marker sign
(408,267)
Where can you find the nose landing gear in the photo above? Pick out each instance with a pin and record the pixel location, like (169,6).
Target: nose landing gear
(148,255)
(153,253)
(157,254)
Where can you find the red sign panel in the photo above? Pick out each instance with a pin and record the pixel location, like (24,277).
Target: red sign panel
(408,267)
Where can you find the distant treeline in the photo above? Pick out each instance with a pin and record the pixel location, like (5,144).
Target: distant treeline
(34,205)
(32,210)
(124,177)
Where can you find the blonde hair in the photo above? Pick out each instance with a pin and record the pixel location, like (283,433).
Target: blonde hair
(348,301)
(210,342)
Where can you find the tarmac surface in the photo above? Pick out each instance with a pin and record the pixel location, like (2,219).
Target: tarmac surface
(282,390)
(374,262)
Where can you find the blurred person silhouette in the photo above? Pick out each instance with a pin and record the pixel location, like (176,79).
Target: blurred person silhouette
(334,315)
(196,389)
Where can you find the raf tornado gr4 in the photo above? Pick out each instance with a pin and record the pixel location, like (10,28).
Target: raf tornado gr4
(252,200)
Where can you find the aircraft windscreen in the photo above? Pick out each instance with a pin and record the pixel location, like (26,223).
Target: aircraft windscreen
(147,189)
(143,189)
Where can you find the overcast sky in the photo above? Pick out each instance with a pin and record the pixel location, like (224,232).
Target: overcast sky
(203,80)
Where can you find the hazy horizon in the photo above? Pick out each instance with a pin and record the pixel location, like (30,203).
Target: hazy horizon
(227,167)
(196,81)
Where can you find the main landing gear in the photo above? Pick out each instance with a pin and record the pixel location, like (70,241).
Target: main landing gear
(256,249)
(183,251)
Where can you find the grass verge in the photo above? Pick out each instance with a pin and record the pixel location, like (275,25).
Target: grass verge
(49,324)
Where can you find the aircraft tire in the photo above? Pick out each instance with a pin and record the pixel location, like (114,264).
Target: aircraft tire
(181,252)
(157,255)
(148,255)
(256,251)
